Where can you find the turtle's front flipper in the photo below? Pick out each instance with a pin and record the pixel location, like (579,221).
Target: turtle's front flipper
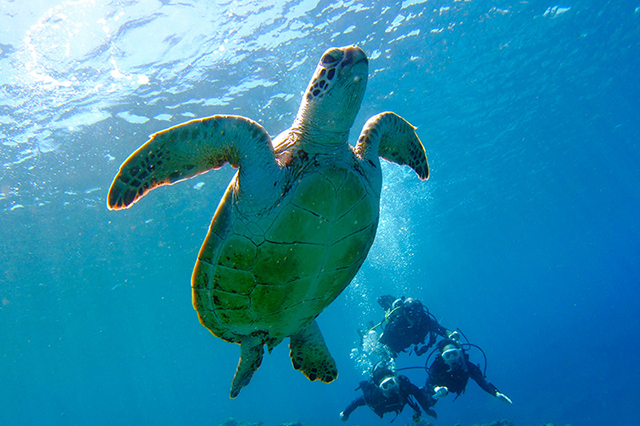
(310,355)
(391,137)
(192,148)
(251,351)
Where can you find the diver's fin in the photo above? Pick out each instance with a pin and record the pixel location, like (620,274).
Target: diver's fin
(310,355)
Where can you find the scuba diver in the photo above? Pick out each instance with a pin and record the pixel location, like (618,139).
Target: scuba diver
(451,370)
(408,322)
(388,392)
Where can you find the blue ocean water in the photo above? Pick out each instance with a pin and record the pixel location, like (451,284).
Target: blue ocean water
(525,236)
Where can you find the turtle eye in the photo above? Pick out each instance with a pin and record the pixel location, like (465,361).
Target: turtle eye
(331,57)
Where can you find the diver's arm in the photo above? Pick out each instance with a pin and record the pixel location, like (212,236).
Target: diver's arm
(476,374)
(358,402)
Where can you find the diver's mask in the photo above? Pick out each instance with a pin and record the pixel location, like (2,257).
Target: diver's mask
(389,385)
(451,355)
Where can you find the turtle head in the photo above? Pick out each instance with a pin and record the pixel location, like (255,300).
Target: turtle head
(332,99)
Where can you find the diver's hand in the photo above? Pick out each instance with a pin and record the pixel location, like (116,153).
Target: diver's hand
(440,392)
(343,416)
(503,397)
(454,335)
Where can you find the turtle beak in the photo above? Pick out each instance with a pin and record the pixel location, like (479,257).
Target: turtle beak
(354,55)
(355,60)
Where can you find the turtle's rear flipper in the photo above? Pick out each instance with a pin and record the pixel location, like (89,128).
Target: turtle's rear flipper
(251,351)
(310,355)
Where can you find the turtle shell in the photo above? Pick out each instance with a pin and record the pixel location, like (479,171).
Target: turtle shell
(275,272)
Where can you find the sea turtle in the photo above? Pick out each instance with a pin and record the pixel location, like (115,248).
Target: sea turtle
(296,221)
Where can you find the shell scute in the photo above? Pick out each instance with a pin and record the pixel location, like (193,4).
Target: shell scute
(362,215)
(335,175)
(269,299)
(238,252)
(350,191)
(316,194)
(238,322)
(298,225)
(350,251)
(331,284)
(234,281)
(203,299)
(282,263)
(203,275)
(230,301)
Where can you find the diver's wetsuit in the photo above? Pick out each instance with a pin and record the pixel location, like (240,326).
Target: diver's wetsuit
(373,397)
(399,333)
(456,379)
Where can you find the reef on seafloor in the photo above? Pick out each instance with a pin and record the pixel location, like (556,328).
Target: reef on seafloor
(425,422)
(233,422)
(422,422)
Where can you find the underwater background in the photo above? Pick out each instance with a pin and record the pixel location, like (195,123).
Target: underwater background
(526,236)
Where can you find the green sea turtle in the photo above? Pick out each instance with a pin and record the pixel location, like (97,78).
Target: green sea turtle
(297,219)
